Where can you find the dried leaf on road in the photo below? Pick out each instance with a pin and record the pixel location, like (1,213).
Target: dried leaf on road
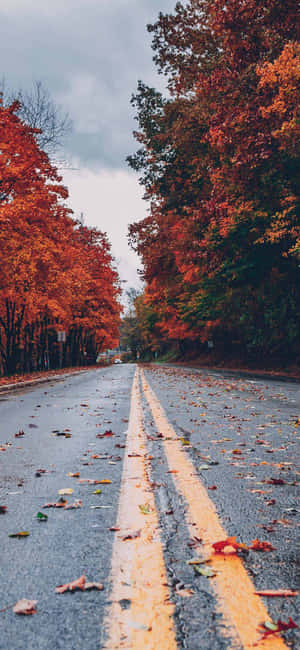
(205,571)
(20,434)
(277,592)
(133,535)
(230,542)
(25,607)
(22,533)
(145,508)
(71,586)
(93,585)
(80,584)
(257,545)
(268,627)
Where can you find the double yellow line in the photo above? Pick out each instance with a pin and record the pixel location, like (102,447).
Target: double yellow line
(140,615)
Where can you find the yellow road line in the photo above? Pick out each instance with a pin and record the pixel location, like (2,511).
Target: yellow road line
(242,610)
(140,616)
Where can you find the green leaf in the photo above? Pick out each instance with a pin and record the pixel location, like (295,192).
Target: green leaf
(41,516)
(270,626)
(205,571)
(145,509)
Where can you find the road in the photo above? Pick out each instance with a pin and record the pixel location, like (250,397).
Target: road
(192,457)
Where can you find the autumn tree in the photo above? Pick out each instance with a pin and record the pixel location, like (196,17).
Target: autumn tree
(54,273)
(220,164)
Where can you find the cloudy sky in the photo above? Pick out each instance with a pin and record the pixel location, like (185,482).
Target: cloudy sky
(90,55)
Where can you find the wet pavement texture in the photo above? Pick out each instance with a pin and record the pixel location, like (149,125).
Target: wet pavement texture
(71,542)
(244,443)
(244,436)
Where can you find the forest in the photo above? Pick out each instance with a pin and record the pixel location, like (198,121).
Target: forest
(218,158)
(57,276)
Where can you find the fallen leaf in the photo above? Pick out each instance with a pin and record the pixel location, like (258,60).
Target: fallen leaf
(80,584)
(205,571)
(256,545)
(25,606)
(277,592)
(74,506)
(195,541)
(23,533)
(145,509)
(93,585)
(71,586)
(228,542)
(268,627)
(65,491)
(19,435)
(133,535)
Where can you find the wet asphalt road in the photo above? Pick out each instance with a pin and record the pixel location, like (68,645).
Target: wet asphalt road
(243,442)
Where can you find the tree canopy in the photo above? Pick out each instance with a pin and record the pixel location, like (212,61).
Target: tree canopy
(219,160)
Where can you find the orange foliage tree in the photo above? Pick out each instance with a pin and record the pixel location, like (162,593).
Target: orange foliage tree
(220,164)
(54,274)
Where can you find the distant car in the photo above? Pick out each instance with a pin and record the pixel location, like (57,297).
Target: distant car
(117,360)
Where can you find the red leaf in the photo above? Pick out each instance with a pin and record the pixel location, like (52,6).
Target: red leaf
(229,541)
(256,545)
(277,592)
(281,626)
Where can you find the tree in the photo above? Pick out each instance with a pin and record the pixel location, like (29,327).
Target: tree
(39,111)
(55,274)
(220,161)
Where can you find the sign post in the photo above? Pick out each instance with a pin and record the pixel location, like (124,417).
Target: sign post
(61,338)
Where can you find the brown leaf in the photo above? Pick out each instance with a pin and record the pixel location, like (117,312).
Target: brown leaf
(93,585)
(133,535)
(277,592)
(256,545)
(25,607)
(71,586)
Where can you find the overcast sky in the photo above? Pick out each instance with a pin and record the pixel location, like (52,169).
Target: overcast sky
(90,55)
